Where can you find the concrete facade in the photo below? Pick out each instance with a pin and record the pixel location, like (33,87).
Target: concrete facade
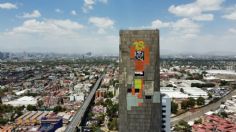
(139,98)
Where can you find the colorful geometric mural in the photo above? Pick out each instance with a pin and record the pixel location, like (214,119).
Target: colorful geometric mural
(139,54)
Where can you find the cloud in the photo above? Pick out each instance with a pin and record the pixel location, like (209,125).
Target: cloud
(231,13)
(183,27)
(197,9)
(159,24)
(8,6)
(89,4)
(209,5)
(33,14)
(52,26)
(58,10)
(102,23)
(204,17)
(188,10)
(73,12)
(232,30)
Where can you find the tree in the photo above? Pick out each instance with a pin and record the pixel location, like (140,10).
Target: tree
(223,114)
(223,83)
(182,126)
(58,108)
(174,107)
(2,91)
(31,108)
(107,103)
(112,110)
(199,121)
(100,118)
(200,101)
(90,115)
(169,85)
(209,95)
(182,90)
(112,125)
(204,73)
(191,102)
(109,95)
(184,104)
(40,103)
(3,121)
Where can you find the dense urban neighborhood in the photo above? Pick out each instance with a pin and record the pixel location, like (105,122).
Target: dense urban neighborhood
(50,93)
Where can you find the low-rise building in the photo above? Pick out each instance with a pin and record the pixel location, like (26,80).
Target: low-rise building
(50,124)
(23,101)
(214,123)
(6,128)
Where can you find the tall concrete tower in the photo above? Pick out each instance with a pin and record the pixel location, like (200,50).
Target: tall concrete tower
(139,97)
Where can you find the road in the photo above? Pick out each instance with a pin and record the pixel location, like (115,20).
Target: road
(79,115)
(188,116)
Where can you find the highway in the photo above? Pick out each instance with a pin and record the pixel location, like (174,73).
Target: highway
(188,116)
(79,115)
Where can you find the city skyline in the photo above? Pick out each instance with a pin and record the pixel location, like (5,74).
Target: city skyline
(195,26)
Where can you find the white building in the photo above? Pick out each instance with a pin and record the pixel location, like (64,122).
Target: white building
(195,92)
(26,100)
(173,93)
(18,93)
(166,113)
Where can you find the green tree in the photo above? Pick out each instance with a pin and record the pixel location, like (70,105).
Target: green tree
(199,121)
(31,108)
(223,114)
(169,85)
(209,95)
(108,102)
(174,107)
(184,104)
(112,110)
(112,125)
(109,95)
(58,108)
(100,118)
(1,94)
(90,115)
(200,101)
(182,90)
(182,126)
(223,83)
(40,103)
(3,121)
(191,102)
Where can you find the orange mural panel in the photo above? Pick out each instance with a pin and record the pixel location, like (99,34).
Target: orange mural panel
(133,91)
(147,56)
(132,51)
(139,66)
(140,94)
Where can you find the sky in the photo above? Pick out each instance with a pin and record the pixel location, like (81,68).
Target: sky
(80,26)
